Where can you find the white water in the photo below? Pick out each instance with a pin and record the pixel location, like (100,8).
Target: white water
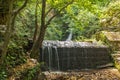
(51,53)
(57,58)
(50,57)
(69,36)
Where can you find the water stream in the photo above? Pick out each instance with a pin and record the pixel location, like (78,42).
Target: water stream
(69,36)
(57,57)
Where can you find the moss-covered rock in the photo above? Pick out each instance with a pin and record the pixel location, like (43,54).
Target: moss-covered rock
(112,39)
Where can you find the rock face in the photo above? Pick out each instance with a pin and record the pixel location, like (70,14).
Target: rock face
(69,55)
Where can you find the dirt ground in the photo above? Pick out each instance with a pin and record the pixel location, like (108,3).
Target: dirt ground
(99,74)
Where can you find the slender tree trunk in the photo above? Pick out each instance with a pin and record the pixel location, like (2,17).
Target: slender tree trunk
(8,32)
(38,43)
(35,53)
(36,23)
(7,37)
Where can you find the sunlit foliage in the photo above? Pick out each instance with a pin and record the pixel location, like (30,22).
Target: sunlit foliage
(110,19)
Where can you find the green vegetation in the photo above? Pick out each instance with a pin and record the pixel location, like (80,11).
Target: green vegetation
(31,74)
(38,20)
(110,18)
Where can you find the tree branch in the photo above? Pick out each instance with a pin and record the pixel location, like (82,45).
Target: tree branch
(48,11)
(48,22)
(36,22)
(18,10)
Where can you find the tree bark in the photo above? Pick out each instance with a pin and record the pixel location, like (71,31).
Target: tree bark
(36,23)
(38,43)
(8,32)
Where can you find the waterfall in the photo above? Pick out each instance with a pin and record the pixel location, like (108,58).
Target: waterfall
(69,55)
(69,36)
(50,56)
(57,58)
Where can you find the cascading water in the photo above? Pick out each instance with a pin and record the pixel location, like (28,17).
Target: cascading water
(50,57)
(69,36)
(57,57)
(69,55)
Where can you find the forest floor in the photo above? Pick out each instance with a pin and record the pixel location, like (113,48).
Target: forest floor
(19,70)
(99,74)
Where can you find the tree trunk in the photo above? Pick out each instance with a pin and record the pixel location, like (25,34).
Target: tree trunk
(36,23)
(35,53)
(8,32)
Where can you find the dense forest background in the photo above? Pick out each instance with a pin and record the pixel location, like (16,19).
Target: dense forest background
(27,22)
